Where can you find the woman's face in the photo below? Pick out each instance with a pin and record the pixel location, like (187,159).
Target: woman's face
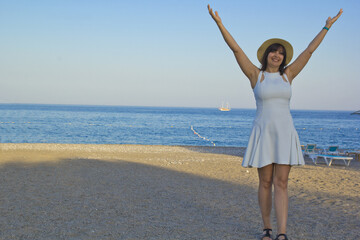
(276,57)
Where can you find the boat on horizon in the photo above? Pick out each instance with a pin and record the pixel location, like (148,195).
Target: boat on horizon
(225,108)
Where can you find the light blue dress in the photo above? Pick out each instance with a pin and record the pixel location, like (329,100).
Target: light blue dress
(273,138)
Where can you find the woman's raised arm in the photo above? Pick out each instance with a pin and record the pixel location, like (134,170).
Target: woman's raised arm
(249,69)
(294,69)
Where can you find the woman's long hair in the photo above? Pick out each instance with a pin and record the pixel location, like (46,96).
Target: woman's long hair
(272,48)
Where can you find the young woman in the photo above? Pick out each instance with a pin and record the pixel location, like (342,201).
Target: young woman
(274,143)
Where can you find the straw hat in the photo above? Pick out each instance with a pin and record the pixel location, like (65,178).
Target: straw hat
(267,43)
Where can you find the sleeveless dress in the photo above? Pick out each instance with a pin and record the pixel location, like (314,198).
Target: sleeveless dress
(273,138)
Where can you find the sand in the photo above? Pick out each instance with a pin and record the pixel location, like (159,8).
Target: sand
(60,191)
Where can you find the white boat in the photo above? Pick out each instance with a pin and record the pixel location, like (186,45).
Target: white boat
(225,108)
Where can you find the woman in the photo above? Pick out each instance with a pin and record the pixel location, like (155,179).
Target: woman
(273,144)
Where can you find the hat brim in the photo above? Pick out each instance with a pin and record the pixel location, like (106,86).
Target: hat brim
(288,48)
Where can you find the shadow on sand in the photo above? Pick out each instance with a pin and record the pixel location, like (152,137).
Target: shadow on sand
(92,199)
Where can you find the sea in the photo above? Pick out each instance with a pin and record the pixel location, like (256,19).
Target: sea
(78,124)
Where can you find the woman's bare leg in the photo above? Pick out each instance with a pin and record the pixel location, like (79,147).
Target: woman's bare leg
(281,177)
(265,193)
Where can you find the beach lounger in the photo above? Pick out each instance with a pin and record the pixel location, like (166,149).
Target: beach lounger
(310,151)
(332,150)
(330,158)
(331,154)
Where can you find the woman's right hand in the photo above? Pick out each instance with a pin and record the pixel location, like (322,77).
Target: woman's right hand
(215,16)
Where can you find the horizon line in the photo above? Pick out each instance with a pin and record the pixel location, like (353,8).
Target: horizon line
(112,105)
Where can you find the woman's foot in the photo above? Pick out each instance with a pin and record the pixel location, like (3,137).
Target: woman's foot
(281,236)
(267,234)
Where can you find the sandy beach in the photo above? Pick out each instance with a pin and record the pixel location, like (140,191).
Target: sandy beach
(61,191)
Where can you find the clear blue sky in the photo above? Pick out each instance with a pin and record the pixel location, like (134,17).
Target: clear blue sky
(170,52)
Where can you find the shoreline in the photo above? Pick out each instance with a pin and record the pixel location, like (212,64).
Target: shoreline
(91,191)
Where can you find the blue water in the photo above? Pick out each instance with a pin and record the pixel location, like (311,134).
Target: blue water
(28,123)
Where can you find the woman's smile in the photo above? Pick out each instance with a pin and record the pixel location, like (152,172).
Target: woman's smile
(275,57)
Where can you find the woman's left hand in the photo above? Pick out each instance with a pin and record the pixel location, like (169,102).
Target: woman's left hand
(330,21)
